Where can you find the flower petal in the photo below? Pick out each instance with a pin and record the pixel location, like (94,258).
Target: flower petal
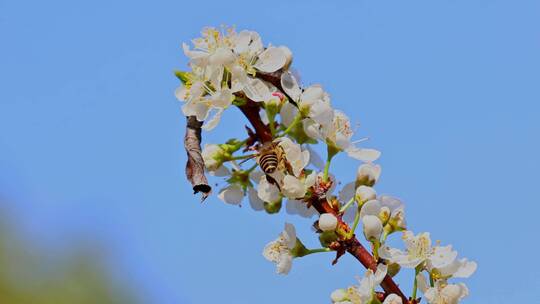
(290,85)
(365,155)
(256,90)
(292,187)
(271,60)
(254,201)
(213,122)
(232,194)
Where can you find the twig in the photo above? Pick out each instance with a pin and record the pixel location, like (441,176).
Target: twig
(353,246)
(195,162)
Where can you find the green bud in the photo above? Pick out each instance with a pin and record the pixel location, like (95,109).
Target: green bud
(272,208)
(327,237)
(272,107)
(393,269)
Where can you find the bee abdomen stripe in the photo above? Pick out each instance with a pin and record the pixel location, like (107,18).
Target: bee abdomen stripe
(268,162)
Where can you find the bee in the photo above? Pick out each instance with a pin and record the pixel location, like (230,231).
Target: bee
(270,158)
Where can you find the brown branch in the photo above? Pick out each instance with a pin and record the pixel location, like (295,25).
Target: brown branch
(251,111)
(355,248)
(353,245)
(195,163)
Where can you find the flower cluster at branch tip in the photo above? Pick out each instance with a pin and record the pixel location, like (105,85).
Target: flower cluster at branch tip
(234,69)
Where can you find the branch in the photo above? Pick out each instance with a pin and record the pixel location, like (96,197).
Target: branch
(356,249)
(195,163)
(251,111)
(353,246)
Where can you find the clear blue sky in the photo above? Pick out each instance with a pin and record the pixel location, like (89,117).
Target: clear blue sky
(91,136)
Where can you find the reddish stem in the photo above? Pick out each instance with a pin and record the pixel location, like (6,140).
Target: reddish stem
(354,247)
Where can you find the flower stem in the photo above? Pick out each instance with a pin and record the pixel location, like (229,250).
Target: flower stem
(385,235)
(347,205)
(330,153)
(355,223)
(271,122)
(296,120)
(310,251)
(415,285)
(376,246)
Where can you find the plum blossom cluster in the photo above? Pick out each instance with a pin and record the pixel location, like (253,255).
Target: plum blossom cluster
(276,164)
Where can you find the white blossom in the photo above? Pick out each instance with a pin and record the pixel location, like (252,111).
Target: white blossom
(397,211)
(388,209)
(418,250)
(340,134)
(313,102)
(442,293)
(201,99)
(364,292)
(279,251)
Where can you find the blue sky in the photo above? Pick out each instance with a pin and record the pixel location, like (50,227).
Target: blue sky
(91,136)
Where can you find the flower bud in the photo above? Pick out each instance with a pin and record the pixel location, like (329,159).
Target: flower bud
(372,227)
(327,222)
(367,174)
(272,106)
(364,193)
